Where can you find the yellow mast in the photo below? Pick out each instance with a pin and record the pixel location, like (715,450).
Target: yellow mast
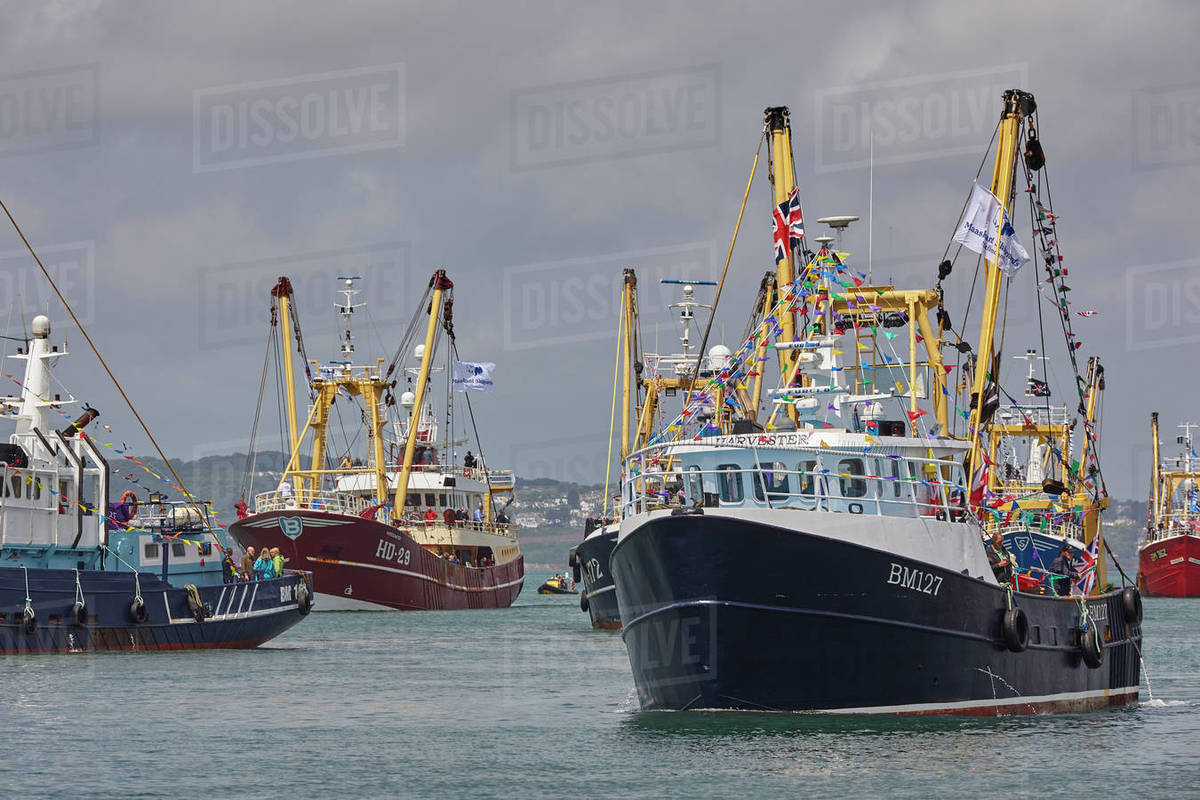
(766,301)
(1016,104)
(440,284)
(1094,383)
(628,288)
(283,291)
(777,118)
(1156,472)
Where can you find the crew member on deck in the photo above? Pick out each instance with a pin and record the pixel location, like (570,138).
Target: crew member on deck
(1000,559)
(1063,568)
(469,460)
(431,517)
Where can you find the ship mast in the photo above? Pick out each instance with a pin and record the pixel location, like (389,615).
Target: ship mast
(779,122)
(1155,471)
(440,284)
(283,292)
(628,315)
(1017,106)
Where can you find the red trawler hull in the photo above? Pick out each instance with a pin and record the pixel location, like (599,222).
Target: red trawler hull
(370,564)
(1170,567)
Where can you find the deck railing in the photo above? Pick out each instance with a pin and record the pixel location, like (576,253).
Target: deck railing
(819,488)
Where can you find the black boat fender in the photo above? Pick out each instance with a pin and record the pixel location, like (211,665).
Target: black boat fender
(137,610)
(583,601)
(304,601)
(1131,600)
(1089,644)
(1015,627)
(29,620)
(79,614)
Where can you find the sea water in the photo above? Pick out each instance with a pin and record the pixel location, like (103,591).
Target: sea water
(531,702)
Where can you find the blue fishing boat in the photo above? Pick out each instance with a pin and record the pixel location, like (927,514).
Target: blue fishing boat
(78,572)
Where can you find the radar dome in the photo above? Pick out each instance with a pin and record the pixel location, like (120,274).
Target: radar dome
(408,399)
(41,326)
(718,357)
(419,352)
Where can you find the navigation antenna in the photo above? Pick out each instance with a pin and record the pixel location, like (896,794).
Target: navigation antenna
(687,317)
(1186,441)
(1032,383)
(346,309)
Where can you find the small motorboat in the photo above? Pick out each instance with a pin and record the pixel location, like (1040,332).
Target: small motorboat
(556,585)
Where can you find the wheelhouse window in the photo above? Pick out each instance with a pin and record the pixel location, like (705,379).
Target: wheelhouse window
(775,478)
(694,484)
(808,476)
(729,478)
(894,470)
(150,550)
(178,550)
(849,469)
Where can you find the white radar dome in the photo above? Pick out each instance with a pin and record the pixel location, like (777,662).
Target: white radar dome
(718,357)
(408,399)
(419,352)
(41,326)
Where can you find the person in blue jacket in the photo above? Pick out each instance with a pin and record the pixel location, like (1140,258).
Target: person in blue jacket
(264,566)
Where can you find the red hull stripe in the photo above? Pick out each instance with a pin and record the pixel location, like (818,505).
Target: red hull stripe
(411,574)
(1050,703)
(236,644)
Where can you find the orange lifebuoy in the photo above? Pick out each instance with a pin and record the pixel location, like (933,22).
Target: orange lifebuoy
(130,497)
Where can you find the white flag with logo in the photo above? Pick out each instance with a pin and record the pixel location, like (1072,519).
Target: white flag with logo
(977,232)
(469,376)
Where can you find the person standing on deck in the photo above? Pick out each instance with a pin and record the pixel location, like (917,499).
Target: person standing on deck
(1000,559)
(228,571)
(277,561)
(248,564)
(1064,571)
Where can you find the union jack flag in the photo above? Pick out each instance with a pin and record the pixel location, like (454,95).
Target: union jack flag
(1086,567)
(789,226)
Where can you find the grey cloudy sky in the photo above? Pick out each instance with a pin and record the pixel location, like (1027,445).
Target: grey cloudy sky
(172,159)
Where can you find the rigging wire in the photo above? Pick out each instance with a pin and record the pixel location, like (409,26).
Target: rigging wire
(251,450)
(728,257)
(95,350)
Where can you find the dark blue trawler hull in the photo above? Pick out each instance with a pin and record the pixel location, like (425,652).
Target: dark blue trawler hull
(235,615)
(725,613)
(599,596)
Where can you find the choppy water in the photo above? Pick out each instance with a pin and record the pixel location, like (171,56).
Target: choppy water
(530,701)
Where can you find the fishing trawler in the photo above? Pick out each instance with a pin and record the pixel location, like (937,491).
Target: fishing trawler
(80,573)
(1042,499)
(380,530)
(651,377)
(1169,557)
(833,560)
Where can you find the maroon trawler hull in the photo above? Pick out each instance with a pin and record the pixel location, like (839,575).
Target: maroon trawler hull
(370,564)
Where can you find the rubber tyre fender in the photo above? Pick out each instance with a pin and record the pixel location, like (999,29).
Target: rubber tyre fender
(303,599)
(1089,645)
(137,611)
(1015,627)
(28,621)
(583,601)
(1131,600)
(197,609)
(79,615)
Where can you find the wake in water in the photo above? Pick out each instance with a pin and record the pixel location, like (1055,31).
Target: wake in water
(1157,703)
(629,704)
